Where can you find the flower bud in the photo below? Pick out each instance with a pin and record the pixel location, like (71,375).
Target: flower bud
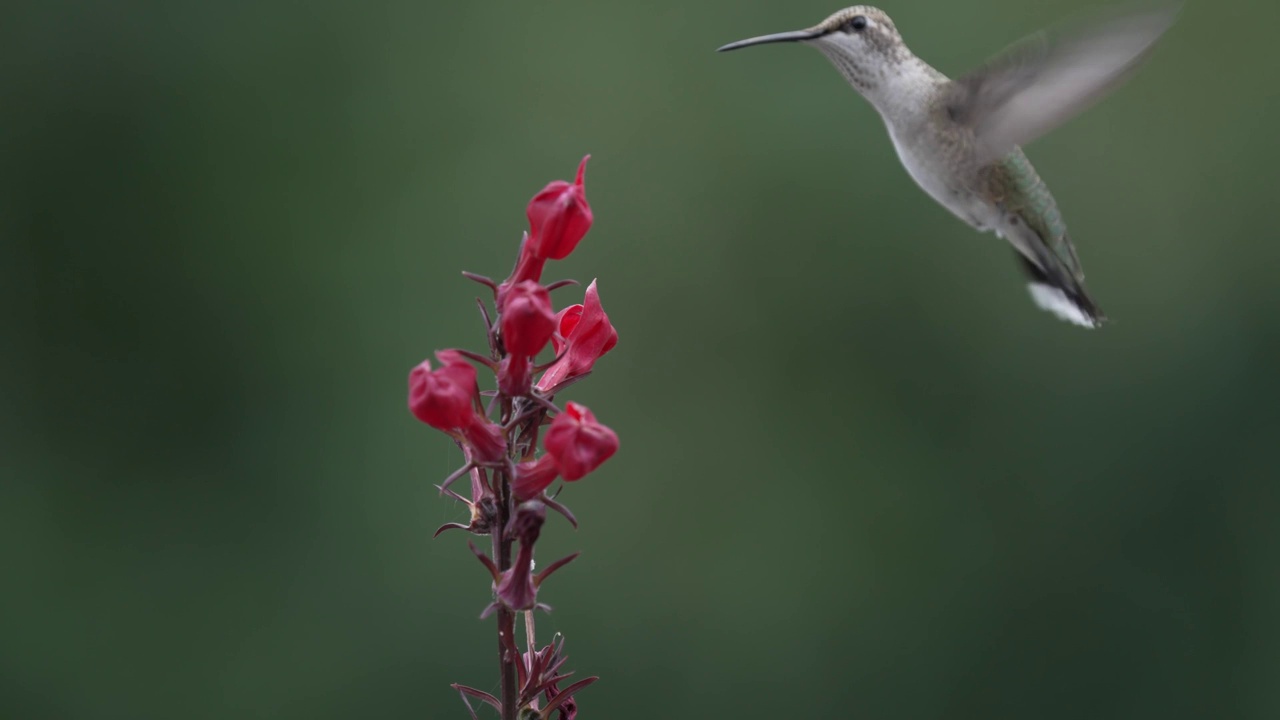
(559,217)
(527,319)
(515,375)
(516,589)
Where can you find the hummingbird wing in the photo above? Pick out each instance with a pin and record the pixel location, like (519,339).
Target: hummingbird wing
(1041,82)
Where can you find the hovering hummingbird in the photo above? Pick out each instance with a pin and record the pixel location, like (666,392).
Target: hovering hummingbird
(959,139)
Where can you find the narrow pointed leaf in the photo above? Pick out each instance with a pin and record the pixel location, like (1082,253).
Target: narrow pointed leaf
(551,503)
(478,694)
(454,476)
(449,526)
(477,357)
(484,560)
(561,283)
(564,695)
(537,579)
(481,279)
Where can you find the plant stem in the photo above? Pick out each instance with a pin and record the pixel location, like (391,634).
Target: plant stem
(530,636)
(506,618)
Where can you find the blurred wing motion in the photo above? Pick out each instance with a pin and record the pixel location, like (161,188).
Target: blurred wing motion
(1040,83)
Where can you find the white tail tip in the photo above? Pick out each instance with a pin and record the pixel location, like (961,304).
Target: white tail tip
(1055,301)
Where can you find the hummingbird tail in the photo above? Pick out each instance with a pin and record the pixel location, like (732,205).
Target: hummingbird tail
(1060,293)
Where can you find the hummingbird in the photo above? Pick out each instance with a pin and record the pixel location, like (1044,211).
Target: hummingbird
(960,140)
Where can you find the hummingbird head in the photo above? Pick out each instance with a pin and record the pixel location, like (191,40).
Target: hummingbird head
(861,41)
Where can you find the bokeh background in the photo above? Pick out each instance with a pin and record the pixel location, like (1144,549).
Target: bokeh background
(861,475)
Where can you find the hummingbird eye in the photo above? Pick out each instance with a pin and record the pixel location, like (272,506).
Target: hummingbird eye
(857,23)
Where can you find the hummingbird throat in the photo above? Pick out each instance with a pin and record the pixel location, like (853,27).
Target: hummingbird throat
(856,71)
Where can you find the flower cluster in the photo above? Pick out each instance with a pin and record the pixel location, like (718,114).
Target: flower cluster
(498,433)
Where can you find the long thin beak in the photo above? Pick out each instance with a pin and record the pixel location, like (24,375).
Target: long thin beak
(794,36)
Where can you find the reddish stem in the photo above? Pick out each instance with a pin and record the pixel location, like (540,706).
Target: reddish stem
(506,618)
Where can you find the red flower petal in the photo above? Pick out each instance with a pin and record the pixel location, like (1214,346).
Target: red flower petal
(578,442)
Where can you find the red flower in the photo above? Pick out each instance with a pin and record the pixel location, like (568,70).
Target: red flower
(534,476)
(559,216)
(488,444)
(443,398)
(527,319)
(578,443)
(584,336)
(515,375)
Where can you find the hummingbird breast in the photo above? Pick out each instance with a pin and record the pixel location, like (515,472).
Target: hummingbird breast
(940,161)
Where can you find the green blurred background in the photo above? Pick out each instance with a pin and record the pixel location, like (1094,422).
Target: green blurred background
(861,475)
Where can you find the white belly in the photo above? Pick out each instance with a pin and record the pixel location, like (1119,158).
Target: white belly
(932,175)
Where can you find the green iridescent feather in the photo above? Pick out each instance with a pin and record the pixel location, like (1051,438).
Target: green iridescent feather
(1021,191)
